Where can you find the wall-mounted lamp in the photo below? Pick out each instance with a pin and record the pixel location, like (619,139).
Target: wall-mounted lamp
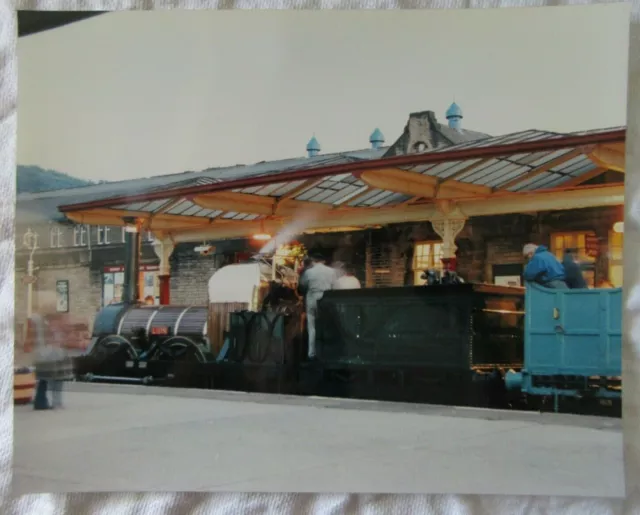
(262,235)
(618,227)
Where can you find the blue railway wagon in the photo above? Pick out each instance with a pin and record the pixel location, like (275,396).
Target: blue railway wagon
(573,344)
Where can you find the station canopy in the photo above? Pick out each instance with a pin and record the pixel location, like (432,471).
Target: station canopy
(522,172)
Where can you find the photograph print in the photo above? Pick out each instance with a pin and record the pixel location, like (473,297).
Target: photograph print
(324,251)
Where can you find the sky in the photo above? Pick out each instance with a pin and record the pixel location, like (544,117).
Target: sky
(139,94)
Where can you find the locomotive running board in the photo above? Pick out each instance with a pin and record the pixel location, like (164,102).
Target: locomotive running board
(91,378)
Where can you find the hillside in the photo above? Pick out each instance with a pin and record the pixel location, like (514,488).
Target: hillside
(33,179)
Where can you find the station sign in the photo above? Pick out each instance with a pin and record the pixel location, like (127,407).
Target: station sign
(29,279)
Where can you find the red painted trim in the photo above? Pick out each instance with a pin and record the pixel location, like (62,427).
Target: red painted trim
(120,268)
(25,386)
(450,264)
(165,290)
(617,136)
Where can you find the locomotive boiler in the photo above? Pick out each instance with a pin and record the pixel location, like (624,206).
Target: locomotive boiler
(177,344)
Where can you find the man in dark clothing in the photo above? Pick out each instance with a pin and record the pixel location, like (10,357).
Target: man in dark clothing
(572,270)
(543,267)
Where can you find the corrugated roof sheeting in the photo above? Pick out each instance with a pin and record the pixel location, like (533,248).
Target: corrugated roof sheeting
(187,208)
(599,131)
(496,172)
(346,189)
(507,139)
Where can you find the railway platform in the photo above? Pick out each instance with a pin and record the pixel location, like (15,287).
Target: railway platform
(136,438)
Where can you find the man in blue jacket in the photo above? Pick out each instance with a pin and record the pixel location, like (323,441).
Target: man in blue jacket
(543,267)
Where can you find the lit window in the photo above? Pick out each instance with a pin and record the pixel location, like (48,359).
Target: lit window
(426,255)
(103,235)
(585,244)
(56,237)
(79,236)
(616,242)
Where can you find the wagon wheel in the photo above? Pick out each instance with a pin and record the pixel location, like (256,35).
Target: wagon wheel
(111,345)
(241,337)
(259,338)
(179,348)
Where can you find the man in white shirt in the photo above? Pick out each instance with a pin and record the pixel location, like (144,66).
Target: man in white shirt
(345,280)
(317,279)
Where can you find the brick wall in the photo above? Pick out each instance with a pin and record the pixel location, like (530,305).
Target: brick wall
(190,275)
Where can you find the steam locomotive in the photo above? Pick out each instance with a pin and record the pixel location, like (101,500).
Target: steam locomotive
(447,342)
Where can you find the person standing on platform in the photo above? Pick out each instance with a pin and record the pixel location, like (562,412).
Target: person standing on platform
(345,278)
(543,267)
(572,270)
(315,280)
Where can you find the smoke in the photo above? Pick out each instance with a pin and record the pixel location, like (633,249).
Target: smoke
(289,232)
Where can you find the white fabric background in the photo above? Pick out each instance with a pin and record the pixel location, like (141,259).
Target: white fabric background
(300,503)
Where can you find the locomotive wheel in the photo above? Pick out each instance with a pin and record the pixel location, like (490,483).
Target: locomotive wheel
(111,345)
(180,348)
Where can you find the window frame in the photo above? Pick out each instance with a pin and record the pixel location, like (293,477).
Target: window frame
(56,234)
(102,235)
(615,263)
(589,273)
(435,252)
(80,232)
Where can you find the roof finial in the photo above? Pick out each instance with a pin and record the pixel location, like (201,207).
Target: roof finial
(454,115)
(376,139)
(313,147)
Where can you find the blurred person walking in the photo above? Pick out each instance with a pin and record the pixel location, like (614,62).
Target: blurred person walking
(46,336)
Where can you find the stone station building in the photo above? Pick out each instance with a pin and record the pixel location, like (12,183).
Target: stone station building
(389,220)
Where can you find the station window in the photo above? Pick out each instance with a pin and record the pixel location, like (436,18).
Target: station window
(103,235)
(426,255)
(148,236)
(616,241)
(112,286)
(56,237)
(576,240)
(80,236)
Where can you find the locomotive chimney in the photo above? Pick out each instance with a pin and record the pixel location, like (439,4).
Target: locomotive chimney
(131,287)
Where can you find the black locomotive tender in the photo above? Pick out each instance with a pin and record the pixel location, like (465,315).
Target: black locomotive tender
(441,343)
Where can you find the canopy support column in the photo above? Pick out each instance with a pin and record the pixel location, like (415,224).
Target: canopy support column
(164,249)
(448,229)
(131,290)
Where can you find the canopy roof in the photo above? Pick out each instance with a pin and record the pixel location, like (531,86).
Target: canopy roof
(490,176)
